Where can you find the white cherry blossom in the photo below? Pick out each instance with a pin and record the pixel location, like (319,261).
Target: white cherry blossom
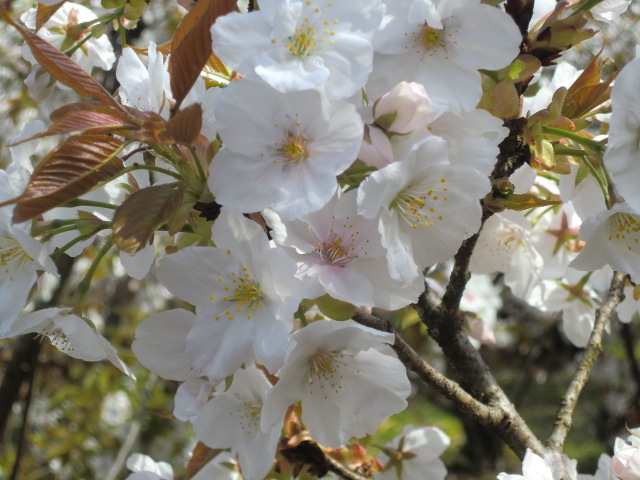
(613,238)
(298,45)
(245,294)
(232,420)
(505,246)
(622,156)
(70,334)
(419,449)
(347,378)
(426,208)
(96,52)
(299,143)
(145,468)
(342,252)
(441,44)
(534,467)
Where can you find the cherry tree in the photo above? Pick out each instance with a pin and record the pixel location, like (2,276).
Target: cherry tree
(289,181)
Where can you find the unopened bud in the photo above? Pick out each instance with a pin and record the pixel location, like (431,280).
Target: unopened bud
(405,108)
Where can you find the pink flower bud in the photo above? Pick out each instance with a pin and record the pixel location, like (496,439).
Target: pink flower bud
(626,463)
(405,108)
(376,148)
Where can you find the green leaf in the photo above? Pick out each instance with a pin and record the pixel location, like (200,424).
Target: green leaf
(525,201)
(385,121)
(335,309)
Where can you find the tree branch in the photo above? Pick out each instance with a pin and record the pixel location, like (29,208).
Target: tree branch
(564,418)
(429,375)
(500,416)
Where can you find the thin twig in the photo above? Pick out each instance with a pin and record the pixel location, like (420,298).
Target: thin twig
(339,469)
(134,431)
(564,419)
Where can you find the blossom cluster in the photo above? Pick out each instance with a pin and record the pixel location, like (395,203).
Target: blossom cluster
(346,151)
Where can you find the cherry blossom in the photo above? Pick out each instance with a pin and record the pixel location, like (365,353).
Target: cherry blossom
(622,156)
(345,375)
(96,52)
(434,42)
(426,208)
(504,246)
(145,468)
(534,467)
(415,454)
(70,334)
(232,420)
(613,238)
(245,294)
(298,45)
(342,252)
(299,143)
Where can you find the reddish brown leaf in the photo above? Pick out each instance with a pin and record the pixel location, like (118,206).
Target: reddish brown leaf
(44,13)
(71,170)
(191,45)
(184,127)
(164,49)
(201,456)
(90,117)
(137,219)
(151,128)
(61,67)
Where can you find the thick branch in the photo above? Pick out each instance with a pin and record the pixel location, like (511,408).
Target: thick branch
(429,375)
(474,376)
(564,418)
(499,416)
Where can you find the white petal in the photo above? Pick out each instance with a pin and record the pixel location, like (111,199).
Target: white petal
(160,344)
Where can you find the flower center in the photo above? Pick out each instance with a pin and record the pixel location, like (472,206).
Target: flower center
(12,256)
(247,293)
(294,147)
(420,208)
(625,228)
(326,372)
(431,38)
(334,252)
(248,415)
(303,40)
(242,295)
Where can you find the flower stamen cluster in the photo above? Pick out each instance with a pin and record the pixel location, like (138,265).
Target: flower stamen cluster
(419,208)
(625,227)
(12,256)
(246,294)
